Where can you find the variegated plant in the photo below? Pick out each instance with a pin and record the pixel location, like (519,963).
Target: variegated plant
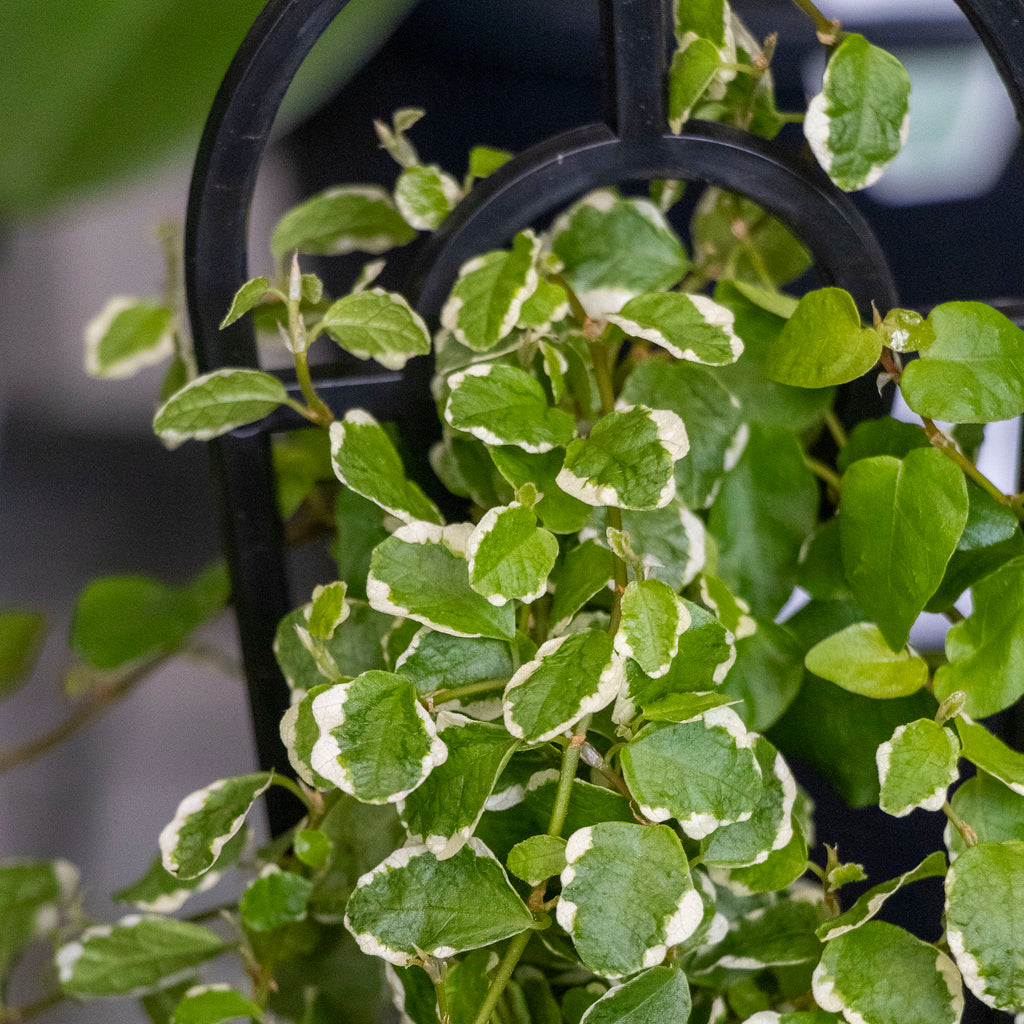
(541,749)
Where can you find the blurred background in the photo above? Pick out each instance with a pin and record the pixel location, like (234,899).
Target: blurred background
(101,107)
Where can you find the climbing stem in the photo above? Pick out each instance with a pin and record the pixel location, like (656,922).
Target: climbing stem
(570,762)
(508,964)
(827,28)
(967,834)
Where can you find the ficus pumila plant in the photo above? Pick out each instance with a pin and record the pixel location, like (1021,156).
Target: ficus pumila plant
(541,750)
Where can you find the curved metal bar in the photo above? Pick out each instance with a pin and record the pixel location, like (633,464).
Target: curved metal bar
(1000,26)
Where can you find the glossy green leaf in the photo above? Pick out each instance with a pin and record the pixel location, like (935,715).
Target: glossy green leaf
(991,754)
(627,459)
(571,676)
(905,330)
(703,773)
(994,811)
(888,506)
(412,903)
(133,956)
(884,436)
(658,996)
(708,19)
(488,296)
(374,740)
(379,325)
(614,248)
(206,820)
(860,119)
(984,927)
(545,306)
(971,373)
(917,767)
(313,847)
(781,869)
(823,343)
(216,403)
(653,618)
(438,661)
(246,298)
(986,650)
(858,659)
(684,707)
(31,893)
(558,511)
(275,899)
(127,335)
(510,556)
(584,571)
(504,405)
(485,160)
(627,896)
(537,858)
(693,328)
(348,218)
(766,675)
(425,195)
(210,1004)
(21,639)
(691,72)
(671,541)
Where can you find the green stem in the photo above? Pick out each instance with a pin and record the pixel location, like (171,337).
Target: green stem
(442,998)
(967,834)
(469,690)
(570,762)
(825,27)
(16,1014)
(321,414)
(515,950)
(293,787)
(835,428)
(578,312)
(826,473)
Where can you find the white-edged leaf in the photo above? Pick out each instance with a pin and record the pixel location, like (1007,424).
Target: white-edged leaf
(510,556)
(537,858)
(991,754)
(210,1004)
(31,895)
(246,298)
(916,767)
(425,195)
(379,325)
(692,71)
(127,335)
(653,619)
(439,661)
(658,996)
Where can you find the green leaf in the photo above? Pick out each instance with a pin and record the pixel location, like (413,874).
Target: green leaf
(510,556)
(210,1004)
(127,335)
(313,847)
(986,650)
(858,659)
(888,506)
(971,373)
(713,418)
(571,676)
(764,511)
(872,901)
(413,904)
(504,405)
(488,296)
(653,619)
(349,218)
(693,328)
(781,935)
(708,19)
(360,528)
(438,661)
(537,858)
(614,248)
(991,754)
(884,436)
(120,619)
(485,160)
(379,325)
(421,572)
(691,72)
(924,984)
(275,899)
(365,459)
(583,572)
(328,610)
(206,820)
(780,870)
(766,676)
(627,896)
(374,740)
(994,811)
(684,707)
(442,813)
(216,403)
(246,298)
(466,983)
(627,459)
(917,767)
(703,773)
(545,306)
(301,460)
(658,996)
(823,343)
(133,956)
(425,195)
(984,927)
(905,330)
(860,119)
(671,540)
(558,511)
(21,639)
(31,893)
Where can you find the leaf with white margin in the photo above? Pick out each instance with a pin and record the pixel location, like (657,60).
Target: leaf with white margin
(709,19)
(733,612)
(984,925)
(671,541)
(556,365)
(572,676)
(127,335)
(275,899)
(652,621)
(658,996)
(770,828)
(421,572)
(777,936)
(922,985)
(412,994)
(31,894)
(627,896)
(375,740)
(206,820)
(217,403)
(247,297)
(860,119)
(547,305)
(692,71)
(685,707)
(365,459)
(299,733)
(991,754)
(504,405)
(614,248)
(487,298)
(779,871)
(584,571)
(510,556)
(872,901)
(537,858)
(379,325)
(994,812)
(210,1004)
(814,1016)
(413,904)
(691,327)
(425,195)
(439,661)
(859,659)
(559,512)
(703,773)
(328,609)
(348,218)
(627,460)
(133,956)
(916,767)
(442,813)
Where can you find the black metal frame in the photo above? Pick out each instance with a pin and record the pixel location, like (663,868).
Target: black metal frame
(629,145)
